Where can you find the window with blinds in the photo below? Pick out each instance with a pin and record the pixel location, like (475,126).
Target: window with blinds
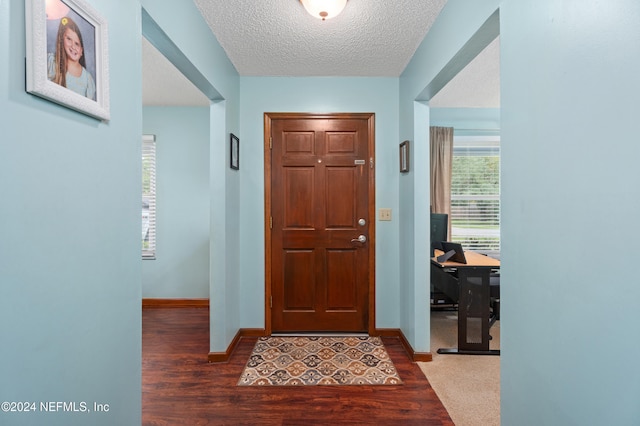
(475,193)
(148,196)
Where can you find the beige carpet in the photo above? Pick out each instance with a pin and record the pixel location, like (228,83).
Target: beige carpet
(467,385)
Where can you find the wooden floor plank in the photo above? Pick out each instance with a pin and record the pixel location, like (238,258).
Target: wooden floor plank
(179,386)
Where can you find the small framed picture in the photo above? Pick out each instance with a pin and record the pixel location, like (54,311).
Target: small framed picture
(235,152)
(67,55)
(404,157)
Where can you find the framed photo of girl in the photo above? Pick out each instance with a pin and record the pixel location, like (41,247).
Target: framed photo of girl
(67,55)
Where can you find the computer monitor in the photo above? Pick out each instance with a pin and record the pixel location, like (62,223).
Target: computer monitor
(439,230)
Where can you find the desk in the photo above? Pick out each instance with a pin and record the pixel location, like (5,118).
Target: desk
(469,285)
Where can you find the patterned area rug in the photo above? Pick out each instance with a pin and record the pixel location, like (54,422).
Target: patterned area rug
(308,361)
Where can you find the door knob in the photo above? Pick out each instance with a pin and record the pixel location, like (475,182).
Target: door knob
(360,239)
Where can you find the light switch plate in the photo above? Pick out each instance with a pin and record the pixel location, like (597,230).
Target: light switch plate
(384,214)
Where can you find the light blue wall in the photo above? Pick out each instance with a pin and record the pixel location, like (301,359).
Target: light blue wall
(260,95)
(70,236)
(181,266)
(569,174)
(70,267)
(184,37)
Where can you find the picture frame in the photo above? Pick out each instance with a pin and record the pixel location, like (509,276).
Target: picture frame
(67,57)
(234,155)
(404,157)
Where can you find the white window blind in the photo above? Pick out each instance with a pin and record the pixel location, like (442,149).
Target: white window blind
(148,196)
(475,193)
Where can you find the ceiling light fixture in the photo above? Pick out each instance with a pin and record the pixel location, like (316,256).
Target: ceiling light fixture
(324,9)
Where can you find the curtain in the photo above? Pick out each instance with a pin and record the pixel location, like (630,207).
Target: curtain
(441,154)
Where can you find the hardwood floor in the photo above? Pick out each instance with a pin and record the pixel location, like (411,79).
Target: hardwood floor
(179,386)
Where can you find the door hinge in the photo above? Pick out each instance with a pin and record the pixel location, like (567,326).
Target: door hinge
(270,142)
(271,302)
(270,222)
(371,162)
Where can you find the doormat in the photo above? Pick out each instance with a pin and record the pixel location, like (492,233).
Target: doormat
(310,361)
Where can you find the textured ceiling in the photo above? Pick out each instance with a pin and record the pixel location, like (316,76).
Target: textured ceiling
(476,86)
(163,84)
(279,38)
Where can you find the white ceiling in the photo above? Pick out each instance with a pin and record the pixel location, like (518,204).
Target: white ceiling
(476,86)
(163,84)
(370,38)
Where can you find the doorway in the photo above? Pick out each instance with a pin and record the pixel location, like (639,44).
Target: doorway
(320,222)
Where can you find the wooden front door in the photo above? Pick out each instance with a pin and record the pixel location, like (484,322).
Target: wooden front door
(320,212)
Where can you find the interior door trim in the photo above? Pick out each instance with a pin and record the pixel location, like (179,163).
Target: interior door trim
(371,209)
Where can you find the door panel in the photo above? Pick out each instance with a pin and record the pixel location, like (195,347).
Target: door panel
(342,291)
(320,186)
(298,265)
(298,206)
(341,207)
